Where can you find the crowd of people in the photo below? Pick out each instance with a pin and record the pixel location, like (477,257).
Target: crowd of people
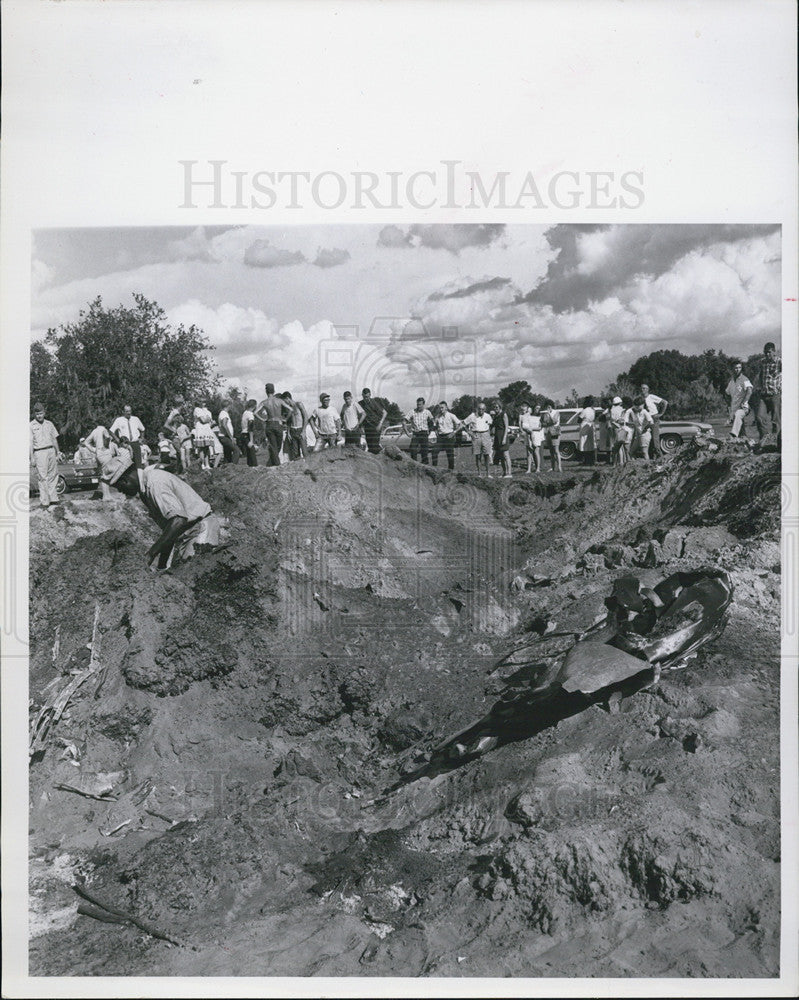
(191,436)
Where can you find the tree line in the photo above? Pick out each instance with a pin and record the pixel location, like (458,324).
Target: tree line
(85,372)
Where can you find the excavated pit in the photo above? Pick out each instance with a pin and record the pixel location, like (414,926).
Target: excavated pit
(254,702)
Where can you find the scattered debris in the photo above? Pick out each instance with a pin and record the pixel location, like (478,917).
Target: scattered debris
(116,829)
(102,797)
(110,914)
(54,708)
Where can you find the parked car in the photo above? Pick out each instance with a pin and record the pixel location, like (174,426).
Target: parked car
(70,477)
(673,433)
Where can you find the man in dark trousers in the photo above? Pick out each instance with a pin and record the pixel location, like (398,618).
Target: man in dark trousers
(274,411)
(375,417)
(769,394)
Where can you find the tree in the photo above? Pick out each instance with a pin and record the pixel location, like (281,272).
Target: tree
(394,414)
(85,372)
(703,398)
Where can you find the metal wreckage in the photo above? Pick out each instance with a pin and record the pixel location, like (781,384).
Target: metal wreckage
(644,632)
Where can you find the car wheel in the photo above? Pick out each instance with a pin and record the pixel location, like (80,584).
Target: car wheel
(669,443)
(567,449)
(61,486)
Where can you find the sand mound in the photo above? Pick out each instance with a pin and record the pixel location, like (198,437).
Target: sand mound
(254,699)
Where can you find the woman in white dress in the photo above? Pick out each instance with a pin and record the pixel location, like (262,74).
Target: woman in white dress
(202,433)
(588,431)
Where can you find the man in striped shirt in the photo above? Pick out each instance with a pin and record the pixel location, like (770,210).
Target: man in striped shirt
(418,424)
(769,394)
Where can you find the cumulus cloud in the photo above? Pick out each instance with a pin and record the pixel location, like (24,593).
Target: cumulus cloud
(592,261)
(393,236)
(441,236)
(331,258)
(722,293)
(41,275)
(261,253)
(195,246)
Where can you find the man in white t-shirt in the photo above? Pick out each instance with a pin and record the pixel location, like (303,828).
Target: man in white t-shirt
(227,436)
(326,424)
(247,436)
(352,418)
(739,389)
(417,424)
(478,424)
(655,406)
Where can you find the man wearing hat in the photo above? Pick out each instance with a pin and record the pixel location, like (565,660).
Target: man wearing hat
(45,455)
(185,519)
(326,423)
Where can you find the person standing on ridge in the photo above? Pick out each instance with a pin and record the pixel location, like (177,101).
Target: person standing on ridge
(326,424)
(769,394)
(656,407)
(274,411)
(739,389)
(352,418)
(478,423)
(417,425)
(45,456)
(373,421)
(295,439)
(247,438)
(447,426)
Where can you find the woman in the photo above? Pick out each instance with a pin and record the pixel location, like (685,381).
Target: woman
(619,432)
(531,426)
(588,431)
(641,421)
(603,429)
(500,427)
(202,434)
(550,421)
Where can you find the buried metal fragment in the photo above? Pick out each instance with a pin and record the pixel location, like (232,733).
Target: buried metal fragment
(646,630)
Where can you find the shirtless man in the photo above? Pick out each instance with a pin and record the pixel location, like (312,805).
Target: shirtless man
(274,411)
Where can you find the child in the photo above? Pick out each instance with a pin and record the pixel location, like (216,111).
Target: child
(166,451)
(184,443)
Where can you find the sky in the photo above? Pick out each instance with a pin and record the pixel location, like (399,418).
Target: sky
(433,310)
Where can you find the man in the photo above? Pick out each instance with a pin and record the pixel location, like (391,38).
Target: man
(642,422)
(298,421)
(227,436)
(273,411)
(84,455)
(447,426)
(769,393)
(478,423)
(131,429)
(655,406)
(247,439)
(373,420)
(352,418)
(739,389)
(45,455)
(418,424)
(185,518)
(326,424)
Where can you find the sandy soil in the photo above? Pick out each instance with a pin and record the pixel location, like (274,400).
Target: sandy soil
(255,700)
